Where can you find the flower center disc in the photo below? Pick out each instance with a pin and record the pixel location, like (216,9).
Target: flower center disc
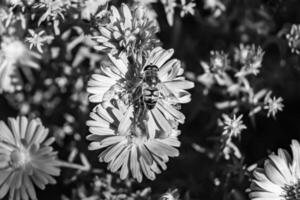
(19,158)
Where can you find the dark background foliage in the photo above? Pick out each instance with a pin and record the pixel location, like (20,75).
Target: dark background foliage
(197,175)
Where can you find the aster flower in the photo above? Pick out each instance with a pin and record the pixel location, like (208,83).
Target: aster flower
(250,57)
(293,38)
(130,148)
(27,159)
(37,39)
(279,178)
(187,8)
(232,126)
(13,53)
(219,62)
(273,105)
(129,33)
(54,9)
(124,81)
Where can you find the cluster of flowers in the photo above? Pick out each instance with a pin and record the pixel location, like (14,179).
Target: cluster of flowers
(138,139)
(137,93)
(231,76)
(232,79)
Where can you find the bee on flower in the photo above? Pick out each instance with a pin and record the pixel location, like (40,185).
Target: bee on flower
(293,38)
(129,33)
(279,177)
(130,148)
(14,54)
(27,158)
(151,89)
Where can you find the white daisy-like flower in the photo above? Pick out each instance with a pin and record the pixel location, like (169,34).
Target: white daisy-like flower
(128,83)
(130,148)
(27,159)
(38,40)
(13,53)
(273,105)
(279,179)
(129,33)
(123,77)
(233,126)
(187,8)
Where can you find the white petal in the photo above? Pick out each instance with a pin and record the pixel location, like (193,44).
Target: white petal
(127,16)
(119,63)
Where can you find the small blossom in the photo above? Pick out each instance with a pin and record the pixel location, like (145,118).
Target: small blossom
(27,159)
(129,33)
(250,57)
(129,147)
(273,105)
(219,62)
(279,178)
(187,8)
(233,126)
(37,39)
(293,38)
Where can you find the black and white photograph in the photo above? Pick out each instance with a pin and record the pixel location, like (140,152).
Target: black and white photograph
(149,99)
